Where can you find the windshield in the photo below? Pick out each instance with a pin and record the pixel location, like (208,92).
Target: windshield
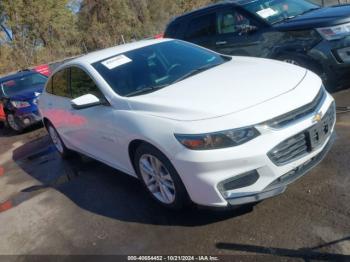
(154,67)
(18,85)
(275,11)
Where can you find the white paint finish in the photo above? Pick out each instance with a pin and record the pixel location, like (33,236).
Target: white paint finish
(85,100)
(243,92)
(229,88)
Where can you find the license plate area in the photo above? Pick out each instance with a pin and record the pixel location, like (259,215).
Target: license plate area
(318,134)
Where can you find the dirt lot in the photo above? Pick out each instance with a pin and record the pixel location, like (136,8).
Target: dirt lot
(80,206)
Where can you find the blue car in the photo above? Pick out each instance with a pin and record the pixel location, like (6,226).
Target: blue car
(19,96)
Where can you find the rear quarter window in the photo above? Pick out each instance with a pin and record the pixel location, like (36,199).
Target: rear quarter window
(49,86)
(60,84)
(172,30)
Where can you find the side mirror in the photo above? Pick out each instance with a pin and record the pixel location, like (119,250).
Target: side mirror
(85,101)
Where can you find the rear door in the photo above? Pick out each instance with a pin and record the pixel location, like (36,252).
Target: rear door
(238,33)
(55,103)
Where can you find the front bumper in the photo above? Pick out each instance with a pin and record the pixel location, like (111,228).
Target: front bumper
(280,184)
(203,172)
(28,119)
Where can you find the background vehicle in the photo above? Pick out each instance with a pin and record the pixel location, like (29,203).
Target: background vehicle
(191,124)
(18,94)
(295,31)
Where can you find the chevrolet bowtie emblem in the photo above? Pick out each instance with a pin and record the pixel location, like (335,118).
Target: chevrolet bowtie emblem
(317,118)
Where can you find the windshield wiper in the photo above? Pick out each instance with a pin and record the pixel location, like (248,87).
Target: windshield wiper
(310,10)
(293,16)
(146,90)
(195,71)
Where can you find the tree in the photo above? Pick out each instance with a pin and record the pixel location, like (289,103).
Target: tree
(41,31)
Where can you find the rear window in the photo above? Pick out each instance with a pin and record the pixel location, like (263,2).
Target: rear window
(201,26)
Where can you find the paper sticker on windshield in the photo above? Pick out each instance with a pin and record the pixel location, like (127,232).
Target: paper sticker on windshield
(116,61)
(265,13)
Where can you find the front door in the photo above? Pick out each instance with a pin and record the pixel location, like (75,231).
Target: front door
(93,129)
(239,34)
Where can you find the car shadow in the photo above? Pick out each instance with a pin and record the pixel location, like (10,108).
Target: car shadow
(103,190)
(307,254)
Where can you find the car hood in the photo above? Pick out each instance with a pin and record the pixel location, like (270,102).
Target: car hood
(28,94)
(323,17)
(231,87)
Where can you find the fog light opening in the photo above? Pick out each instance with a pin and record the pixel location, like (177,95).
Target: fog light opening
(26,121)
(240,181)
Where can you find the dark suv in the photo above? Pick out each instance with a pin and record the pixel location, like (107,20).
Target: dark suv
(294,31)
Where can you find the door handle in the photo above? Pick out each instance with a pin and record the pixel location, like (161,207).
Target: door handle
(221,43)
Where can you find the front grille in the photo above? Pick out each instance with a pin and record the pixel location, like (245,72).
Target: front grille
(305,142)
(299,113)
(289,150)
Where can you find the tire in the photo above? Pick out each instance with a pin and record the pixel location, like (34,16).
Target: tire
(57,141)
(164,185)
(13,124)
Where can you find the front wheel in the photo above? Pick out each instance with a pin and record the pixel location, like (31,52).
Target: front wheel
(160,177)
(12,122)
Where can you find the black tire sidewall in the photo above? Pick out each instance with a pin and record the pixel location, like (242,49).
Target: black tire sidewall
(66,152)
(181,195)
(9,126)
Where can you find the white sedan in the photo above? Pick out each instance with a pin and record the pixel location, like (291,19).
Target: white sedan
(193,125)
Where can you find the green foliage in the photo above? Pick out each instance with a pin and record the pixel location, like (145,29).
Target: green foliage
(41,31)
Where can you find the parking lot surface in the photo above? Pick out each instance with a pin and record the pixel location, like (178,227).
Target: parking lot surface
(80,206)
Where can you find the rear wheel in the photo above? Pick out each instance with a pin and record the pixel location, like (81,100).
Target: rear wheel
(160,177)
(57,141)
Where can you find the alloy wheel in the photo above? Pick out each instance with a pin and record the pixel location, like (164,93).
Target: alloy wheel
(157,178)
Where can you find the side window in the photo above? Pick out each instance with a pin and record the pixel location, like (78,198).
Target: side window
(172,30)
(233,22)
(49,86)
(201,26)
(82,84)
(60,83)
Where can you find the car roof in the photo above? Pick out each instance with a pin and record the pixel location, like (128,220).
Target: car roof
(17,75)
(112,51)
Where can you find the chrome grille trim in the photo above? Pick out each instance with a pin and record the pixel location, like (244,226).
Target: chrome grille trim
(285,119)
(289,150)
(298,145)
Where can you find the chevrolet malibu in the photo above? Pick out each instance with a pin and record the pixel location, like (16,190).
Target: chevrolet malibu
(193,125)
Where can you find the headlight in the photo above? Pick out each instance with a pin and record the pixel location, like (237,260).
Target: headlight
(218,140)
(20,104)
(335,32)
